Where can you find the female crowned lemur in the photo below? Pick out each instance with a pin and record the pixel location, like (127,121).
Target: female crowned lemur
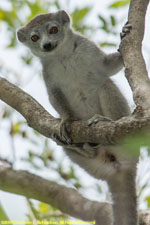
(76,73)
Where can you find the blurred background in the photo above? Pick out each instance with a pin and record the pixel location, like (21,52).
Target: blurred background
(23,147)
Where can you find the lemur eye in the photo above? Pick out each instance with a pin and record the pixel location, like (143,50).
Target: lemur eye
(53,30)
(35,37)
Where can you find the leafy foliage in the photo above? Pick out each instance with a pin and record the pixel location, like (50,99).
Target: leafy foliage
(3,215)
(148,201)
(118,4)
(44,212)
(78,17)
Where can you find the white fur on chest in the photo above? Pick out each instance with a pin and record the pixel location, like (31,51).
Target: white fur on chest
(79,84)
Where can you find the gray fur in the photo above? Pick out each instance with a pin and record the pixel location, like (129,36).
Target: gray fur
(76,73)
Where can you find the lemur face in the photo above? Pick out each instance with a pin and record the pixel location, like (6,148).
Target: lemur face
(45,33)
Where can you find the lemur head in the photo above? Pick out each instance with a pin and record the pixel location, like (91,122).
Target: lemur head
(45,33)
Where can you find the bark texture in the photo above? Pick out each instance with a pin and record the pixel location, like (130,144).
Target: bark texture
(131,49)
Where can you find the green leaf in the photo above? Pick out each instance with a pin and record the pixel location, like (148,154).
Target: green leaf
(1,15)
(148,201)
(78,17)
(104,23)
(71,173)
(132,144)
(43,207)
(36,133)
(77,185)
(107,44)
(16,129)
(113,20)
(9,17)
(27,59)
(80,14)
(57,4)
(118,4)
(12,41)
(37,7)
(3,215)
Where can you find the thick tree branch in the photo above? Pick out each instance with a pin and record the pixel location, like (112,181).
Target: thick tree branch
(131,50)
(39,119)
(68,200)
(33,186)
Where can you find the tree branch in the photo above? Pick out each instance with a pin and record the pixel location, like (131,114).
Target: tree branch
(38,118)
(33,186)
(131,50)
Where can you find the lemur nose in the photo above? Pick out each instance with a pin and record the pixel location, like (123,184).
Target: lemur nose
(47,46)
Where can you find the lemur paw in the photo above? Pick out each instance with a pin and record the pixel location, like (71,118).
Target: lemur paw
(58,140)
(125,30)
(65,129)
(97,118)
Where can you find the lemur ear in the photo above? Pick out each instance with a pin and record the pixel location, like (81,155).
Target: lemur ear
(64,17)
(21,35)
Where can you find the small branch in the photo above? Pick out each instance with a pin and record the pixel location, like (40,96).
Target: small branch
(33,186)
(130,48)
(37,117)
(31,213)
